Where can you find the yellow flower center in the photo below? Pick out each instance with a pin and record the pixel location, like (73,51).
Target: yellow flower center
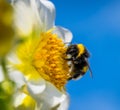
(48,59)
(45,57)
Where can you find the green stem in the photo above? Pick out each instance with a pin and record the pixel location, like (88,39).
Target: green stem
(4,68)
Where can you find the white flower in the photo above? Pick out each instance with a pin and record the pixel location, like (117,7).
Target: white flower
(41,54)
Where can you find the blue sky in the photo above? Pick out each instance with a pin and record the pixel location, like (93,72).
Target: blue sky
(96,24)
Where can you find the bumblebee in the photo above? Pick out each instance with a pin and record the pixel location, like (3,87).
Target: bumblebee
(77,57)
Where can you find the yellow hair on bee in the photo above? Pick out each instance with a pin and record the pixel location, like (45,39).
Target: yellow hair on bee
(81,48)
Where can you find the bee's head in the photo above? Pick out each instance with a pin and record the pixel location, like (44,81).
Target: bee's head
(72,51)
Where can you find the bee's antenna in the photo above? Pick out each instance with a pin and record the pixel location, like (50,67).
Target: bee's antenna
(89,69)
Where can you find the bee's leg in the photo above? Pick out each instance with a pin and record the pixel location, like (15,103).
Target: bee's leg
(68,59)
(78,75)
(75,76)
(71,67)
(70,78)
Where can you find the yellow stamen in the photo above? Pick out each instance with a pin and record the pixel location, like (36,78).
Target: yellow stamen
(49,61)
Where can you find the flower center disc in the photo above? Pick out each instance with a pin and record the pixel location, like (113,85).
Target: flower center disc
(48,59)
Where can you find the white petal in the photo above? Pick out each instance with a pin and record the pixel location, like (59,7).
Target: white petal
(22,101)
(12,57)
(45,13)
(18,99)
(24,18)
(15,1)
(65,104)
(63,33)
(17,77)
(50,97)
(52,93)
(36,87)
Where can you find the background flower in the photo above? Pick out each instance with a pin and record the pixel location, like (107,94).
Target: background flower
(6,44)
(6,28)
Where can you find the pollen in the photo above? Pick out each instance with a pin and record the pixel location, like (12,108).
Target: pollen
(48,59)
